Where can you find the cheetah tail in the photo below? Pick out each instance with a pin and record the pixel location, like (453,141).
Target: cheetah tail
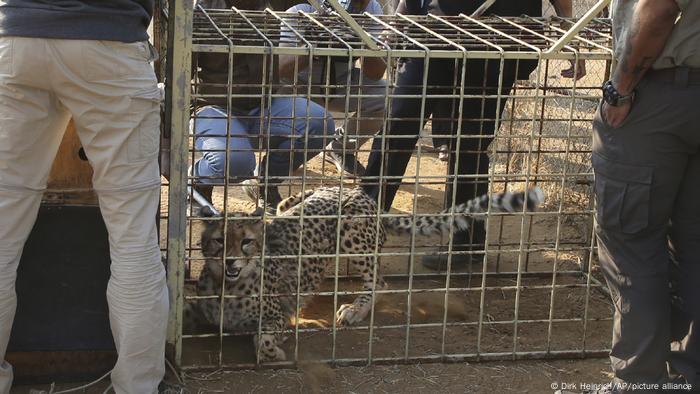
(475,208)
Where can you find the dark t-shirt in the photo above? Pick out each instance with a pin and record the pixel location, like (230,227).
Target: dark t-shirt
(456,7)
(251,78)
(467,7)
(111,20)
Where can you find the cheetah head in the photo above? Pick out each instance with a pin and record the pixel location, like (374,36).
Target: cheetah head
(243,239)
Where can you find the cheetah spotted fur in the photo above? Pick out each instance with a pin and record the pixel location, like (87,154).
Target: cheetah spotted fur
(358,234)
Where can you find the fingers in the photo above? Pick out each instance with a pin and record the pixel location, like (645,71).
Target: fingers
(614,117)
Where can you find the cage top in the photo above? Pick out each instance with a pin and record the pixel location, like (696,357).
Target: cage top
(398,35)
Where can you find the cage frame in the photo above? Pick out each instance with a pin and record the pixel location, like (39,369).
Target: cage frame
(177,119)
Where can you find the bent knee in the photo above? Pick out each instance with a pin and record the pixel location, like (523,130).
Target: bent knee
(213,164)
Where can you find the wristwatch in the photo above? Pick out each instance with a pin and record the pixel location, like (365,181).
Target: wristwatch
(613,97)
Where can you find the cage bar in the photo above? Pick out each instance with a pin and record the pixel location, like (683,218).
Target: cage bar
(495,311)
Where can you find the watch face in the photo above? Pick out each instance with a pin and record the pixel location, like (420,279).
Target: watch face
(610,95)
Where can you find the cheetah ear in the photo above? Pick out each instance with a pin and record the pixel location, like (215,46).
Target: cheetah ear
(257,224)
(208,218)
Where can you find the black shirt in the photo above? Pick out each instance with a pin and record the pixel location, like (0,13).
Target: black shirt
(456,7)
(111,20)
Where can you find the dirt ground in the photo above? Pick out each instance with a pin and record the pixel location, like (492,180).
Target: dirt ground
(579,314)
(500,377)
(484,377)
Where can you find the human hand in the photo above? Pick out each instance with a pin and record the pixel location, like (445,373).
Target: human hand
(388,37)
(615,116)
(580,70)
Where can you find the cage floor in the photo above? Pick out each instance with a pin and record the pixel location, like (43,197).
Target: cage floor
(564,221)
(427,310)
(425,333)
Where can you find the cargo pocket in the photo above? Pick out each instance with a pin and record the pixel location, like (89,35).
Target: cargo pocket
(622,195)
(144,141)
(6,61)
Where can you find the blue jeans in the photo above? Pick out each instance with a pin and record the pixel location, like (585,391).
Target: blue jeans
(366,104)
(287,119)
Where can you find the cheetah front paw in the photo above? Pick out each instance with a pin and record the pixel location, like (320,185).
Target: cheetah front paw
(268,349)
(351,314)
(276,354)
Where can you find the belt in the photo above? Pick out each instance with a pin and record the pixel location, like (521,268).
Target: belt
(682,76)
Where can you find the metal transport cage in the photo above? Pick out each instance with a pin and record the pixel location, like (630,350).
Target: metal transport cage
(532,291)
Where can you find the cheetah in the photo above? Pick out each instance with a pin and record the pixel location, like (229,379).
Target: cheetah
(244,271)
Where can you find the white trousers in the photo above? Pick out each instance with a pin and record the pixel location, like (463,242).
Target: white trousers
(109,88)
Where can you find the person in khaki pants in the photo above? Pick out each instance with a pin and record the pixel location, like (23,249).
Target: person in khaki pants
(89,60)
(646,157)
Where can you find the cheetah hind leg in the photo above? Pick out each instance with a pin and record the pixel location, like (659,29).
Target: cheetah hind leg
(191,316)
(350,314)
(197,315)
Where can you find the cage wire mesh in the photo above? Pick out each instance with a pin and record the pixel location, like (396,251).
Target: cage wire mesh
(532,291)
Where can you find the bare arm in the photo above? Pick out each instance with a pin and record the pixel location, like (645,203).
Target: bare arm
(565,9)
(286,65)
(401,8)
(652,24)
(373,67)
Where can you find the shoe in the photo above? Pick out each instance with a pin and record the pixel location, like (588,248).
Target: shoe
(256,194)
(345,163)
(337,144)
(444,153)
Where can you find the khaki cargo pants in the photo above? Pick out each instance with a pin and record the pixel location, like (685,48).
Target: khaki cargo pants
(109,88)
(648,208)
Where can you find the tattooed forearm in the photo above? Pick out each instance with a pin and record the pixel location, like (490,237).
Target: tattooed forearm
(640,68)
(636,70)
(652,24)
